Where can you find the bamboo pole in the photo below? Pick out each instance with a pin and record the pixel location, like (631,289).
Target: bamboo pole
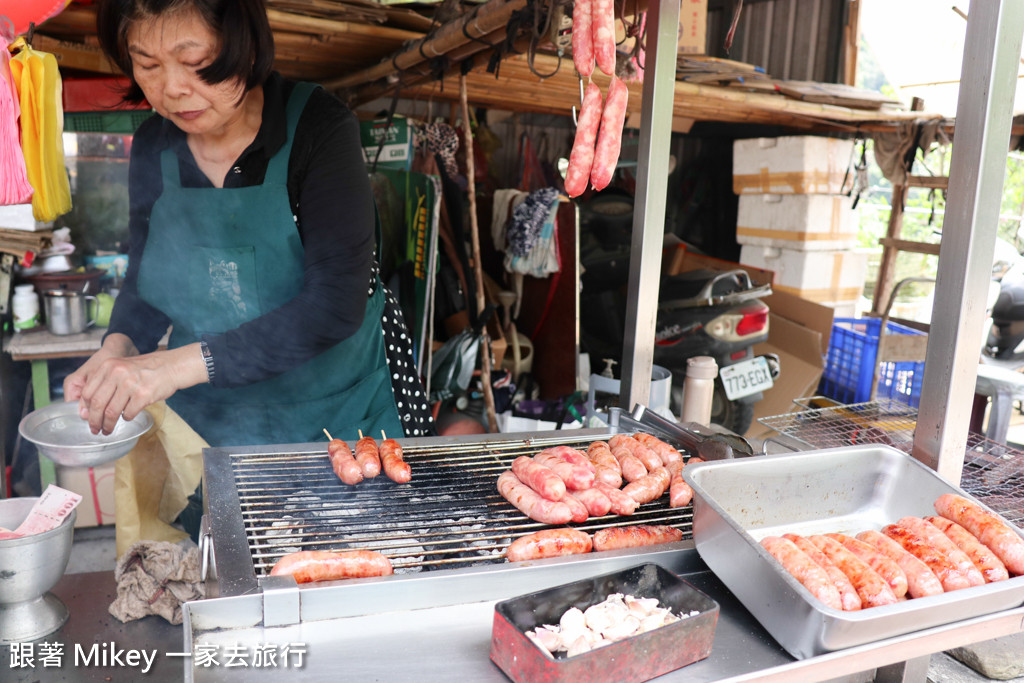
(305,24)
(474,233)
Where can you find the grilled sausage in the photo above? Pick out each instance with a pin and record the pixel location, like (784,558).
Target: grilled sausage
(596,502)
(938,540)
(948,574)
(396,469)
(648,457)
(539,478)
(872,588)
(986,527)
(921,581)
(804,569)
(632,469)
(582,39)
(606,467)
(848,597)
(549,543)
(344,465)
(665,451)
(679,492)
(648,488)
(990,566)
(575,475)
(622,504)
(581,158)
(368,457)
(324,565)
(635,536)
(886,568)
(609,137)
(530,503)
(576,507)
(602,18)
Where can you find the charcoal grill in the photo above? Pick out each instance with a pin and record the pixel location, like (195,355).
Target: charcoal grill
(992,472)
(265,502)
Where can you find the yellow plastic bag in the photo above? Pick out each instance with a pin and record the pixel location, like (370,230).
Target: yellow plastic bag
(38,84)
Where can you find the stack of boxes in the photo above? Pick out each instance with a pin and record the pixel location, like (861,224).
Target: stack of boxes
(793,220)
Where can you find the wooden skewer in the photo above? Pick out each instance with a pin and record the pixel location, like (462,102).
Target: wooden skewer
(383,435)
(360,433)
(328,434)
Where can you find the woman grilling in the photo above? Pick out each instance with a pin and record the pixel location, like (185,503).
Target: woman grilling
(252,234)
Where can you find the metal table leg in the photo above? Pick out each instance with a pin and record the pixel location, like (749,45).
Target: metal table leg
(41,392)
(910,671)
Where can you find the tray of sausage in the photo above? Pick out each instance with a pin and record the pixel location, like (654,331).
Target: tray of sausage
(835,548)
(627,626)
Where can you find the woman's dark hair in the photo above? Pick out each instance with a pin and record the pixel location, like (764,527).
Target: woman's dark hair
(247,43)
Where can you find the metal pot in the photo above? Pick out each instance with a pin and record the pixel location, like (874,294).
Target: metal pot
(67,311)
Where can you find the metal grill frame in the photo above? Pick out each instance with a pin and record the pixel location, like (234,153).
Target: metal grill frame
(241,556)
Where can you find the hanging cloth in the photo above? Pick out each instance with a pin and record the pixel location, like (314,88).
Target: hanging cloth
(42,125)
(14,185)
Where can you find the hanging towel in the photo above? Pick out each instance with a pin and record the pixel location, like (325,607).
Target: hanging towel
(42,124)
(14,185)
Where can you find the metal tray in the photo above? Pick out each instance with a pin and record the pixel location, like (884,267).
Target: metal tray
(632,660)
(843,490)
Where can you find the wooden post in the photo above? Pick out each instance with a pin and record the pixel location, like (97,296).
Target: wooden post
(474,232)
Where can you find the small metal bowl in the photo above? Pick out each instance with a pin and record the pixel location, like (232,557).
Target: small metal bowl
(62,436)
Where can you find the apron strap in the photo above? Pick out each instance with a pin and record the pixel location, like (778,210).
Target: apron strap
(277,169)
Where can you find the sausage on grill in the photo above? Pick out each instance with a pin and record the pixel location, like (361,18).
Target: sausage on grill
(368,457)
(539,478)
(530,503)
(622,504)
(575,474)
(395,467)
(325,565)
(549,543)
(596,502)
(344,465)
(648,488)
(606,467)
(635,536)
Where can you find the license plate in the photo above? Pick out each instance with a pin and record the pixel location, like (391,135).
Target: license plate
(745,378)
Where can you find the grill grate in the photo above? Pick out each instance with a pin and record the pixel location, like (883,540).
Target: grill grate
(992,472)
(450,515)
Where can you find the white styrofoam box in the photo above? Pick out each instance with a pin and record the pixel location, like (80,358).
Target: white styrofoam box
(820,276)
(810,222)
(797,164)
(17,217)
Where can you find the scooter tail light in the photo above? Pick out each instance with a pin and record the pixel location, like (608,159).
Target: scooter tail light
(749,321)
(753,322)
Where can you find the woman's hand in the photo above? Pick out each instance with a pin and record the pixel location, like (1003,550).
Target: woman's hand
(117,382)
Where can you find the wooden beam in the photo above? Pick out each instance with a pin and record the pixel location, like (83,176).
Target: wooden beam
(75,55)
(913,247)
(929,181)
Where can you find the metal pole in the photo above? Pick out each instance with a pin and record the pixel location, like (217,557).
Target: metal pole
(649,214)
(977,167)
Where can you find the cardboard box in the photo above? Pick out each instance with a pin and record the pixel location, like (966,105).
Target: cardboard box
(805,222)
(796,164)
(693,27)
(819,276)
(96,486)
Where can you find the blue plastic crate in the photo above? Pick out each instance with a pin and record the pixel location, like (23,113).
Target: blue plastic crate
(850,365)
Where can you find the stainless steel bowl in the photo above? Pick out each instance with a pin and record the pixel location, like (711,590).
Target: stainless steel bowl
(62,436)
(32,565)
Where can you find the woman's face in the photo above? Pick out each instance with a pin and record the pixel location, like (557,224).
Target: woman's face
(167,52)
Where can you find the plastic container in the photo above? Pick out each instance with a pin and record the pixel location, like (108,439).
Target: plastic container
(699,390)
(850,365)
(25,307)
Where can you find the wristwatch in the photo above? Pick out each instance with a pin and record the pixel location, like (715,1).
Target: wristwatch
(208,359)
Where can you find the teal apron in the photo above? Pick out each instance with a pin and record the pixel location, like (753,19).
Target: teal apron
(219,257)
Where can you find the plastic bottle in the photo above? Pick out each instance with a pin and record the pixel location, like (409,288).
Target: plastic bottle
(699,389)
(25,307)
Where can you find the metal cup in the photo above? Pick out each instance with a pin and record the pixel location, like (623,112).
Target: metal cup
(67,311)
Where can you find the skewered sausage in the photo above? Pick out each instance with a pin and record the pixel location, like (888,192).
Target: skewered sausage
(530,503)
(368,457)
(665,451)
(539,478)
(609,137)
(804,569)
(606,467)
(944,569)
(921,581)
(582,39)
(931,535)
(648,457)
(848,597)
(396,469)
(622,504)
(602,18)
(872,588)
(549,543)
(581,158)
(343,463)
(575,475)
(990,566)
(987,528)
(648,488)
(886,568)
(596,502)
(576,507)
(635,536)
(325,565)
